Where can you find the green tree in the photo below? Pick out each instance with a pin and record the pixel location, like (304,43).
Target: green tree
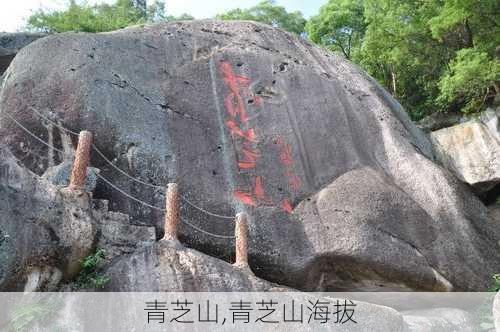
(270,13)
(431,55)
(468,23)
(469,80)
(399,50)
(340,26)
(81,16)
(471,29)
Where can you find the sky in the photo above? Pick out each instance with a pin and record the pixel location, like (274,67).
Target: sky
(14,13)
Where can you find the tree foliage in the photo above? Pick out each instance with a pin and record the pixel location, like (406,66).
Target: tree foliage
(340,25)
(268,12)
(469,79)
(80,16)
(431,55)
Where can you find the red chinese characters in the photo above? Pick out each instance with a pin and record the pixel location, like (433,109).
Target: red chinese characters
(246,140)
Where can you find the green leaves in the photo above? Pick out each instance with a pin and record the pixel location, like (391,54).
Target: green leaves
(496,283)
(89,277)
(468,79)
(97,18)
(431,55)
(270,13)
(340,26)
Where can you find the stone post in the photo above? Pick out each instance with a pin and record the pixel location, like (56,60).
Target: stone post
(172,212)
(241,233)
(81,162)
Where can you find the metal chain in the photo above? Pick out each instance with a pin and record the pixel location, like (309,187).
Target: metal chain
(116,187)
(33,135)
(101,154)
(208,233)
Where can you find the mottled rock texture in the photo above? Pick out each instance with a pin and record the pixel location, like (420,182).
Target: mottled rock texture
(167,267)
(439,120)
(45,231)
(341,187)
(11,44)
(472,151)
(439,319)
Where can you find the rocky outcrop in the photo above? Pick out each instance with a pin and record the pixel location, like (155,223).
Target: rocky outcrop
(45,231)
(169,267)
(472,151)
(341,187)
(11,44)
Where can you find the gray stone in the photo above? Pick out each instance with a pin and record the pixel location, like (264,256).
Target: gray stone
(168,267)
(365,226)
(439,120)
(60,176)
(439,319)
(471,152)
(12,43)
(490,119)
(156,99)
(46,231)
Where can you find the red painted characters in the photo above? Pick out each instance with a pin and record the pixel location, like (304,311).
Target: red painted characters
(246,140)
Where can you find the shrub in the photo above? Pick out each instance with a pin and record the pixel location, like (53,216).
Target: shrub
(89,277)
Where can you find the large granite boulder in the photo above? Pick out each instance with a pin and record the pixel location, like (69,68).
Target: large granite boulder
(472,151)
(12,43)
(250,118)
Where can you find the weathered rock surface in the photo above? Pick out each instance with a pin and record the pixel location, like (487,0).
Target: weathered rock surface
(490,119)
(439,120)
(247,117)
(439,319)
(11,44)
(46,231)
(472,151)
(166,267)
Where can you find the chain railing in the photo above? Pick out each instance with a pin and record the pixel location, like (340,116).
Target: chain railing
(137,180)
(171,210)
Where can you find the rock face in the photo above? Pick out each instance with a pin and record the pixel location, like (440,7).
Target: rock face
(46,231)
(472,151)
(11,44)
(341,187)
